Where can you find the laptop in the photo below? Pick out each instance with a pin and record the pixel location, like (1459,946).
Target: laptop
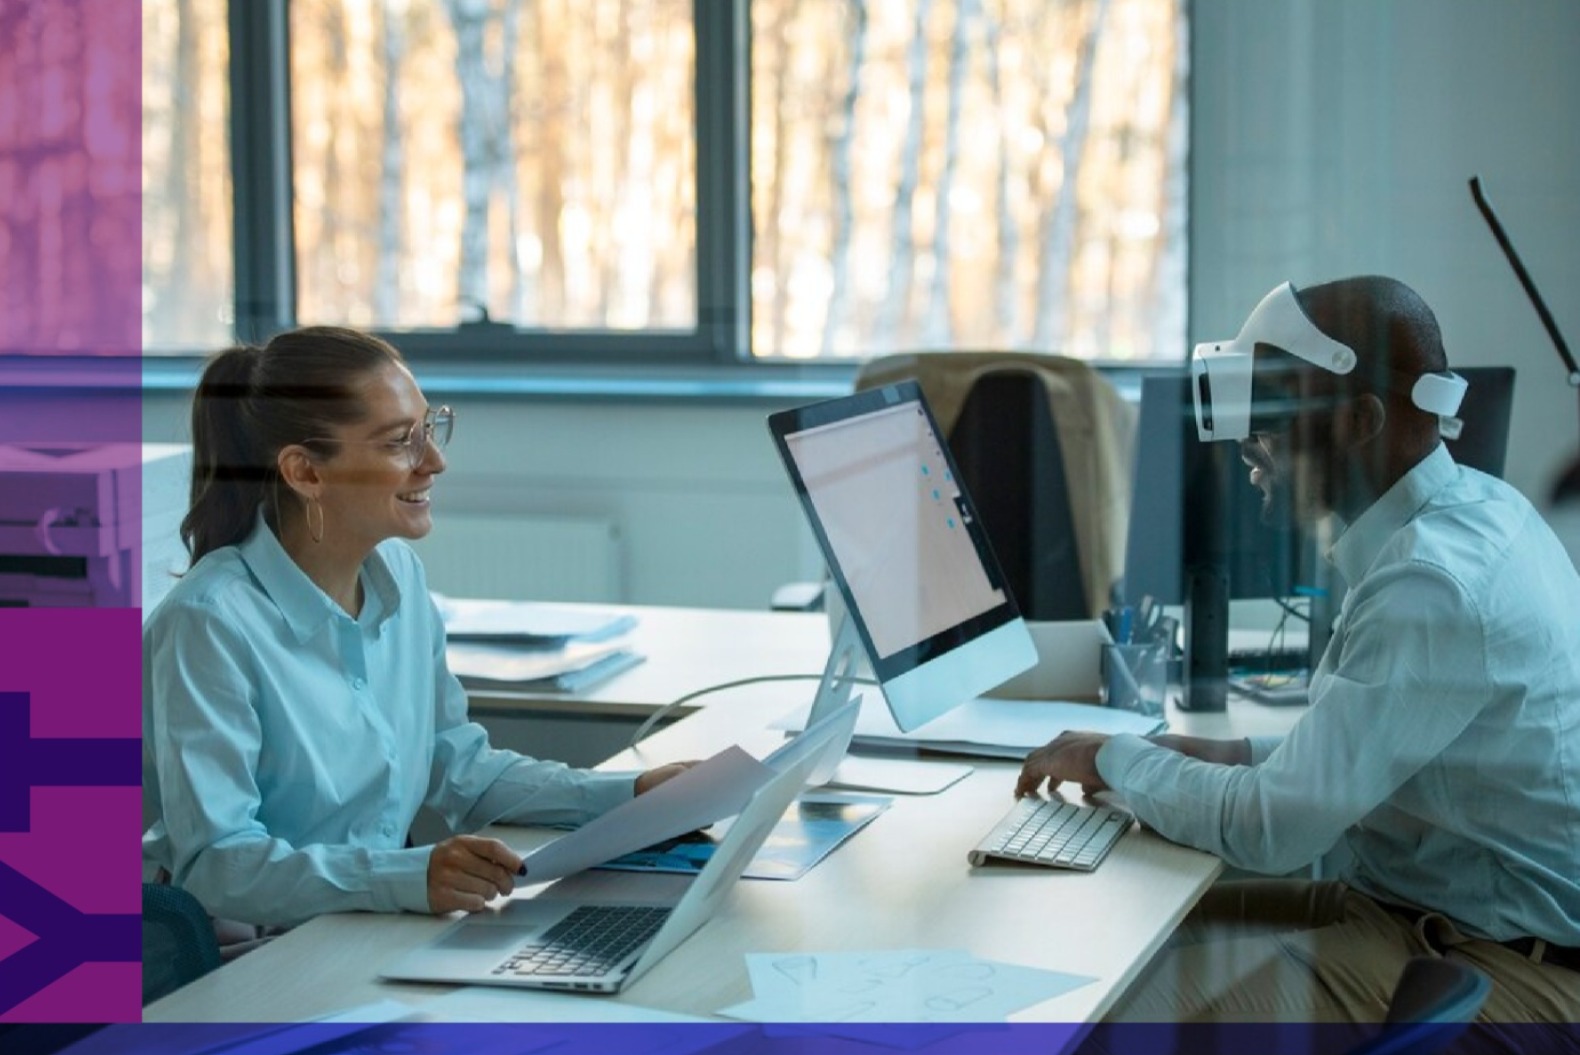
(563,939)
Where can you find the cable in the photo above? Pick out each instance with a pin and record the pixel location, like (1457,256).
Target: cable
(658,715)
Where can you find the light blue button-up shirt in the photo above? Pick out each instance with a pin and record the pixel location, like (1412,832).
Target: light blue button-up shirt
(288,746)
(1442,744)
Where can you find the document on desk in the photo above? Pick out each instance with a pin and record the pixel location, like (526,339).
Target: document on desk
(711,790)
(528,624)
(893,985)
(575,667)
(989,727)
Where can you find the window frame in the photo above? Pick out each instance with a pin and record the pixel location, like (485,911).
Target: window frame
(263,224)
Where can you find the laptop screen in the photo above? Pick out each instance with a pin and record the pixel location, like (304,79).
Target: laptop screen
(902,539)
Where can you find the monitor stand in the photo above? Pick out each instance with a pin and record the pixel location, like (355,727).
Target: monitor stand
(901,776)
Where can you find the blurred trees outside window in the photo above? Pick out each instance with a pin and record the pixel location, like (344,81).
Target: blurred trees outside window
(924,174)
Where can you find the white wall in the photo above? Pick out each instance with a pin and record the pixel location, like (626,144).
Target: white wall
(1331,137)
(705,512)
(1335,137)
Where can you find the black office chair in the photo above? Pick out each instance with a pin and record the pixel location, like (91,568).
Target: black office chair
(178,940)
(1432,1003)
(1042,443)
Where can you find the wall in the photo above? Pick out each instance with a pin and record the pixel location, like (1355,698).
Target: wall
(1330,137)
(706,514)
(1335,137)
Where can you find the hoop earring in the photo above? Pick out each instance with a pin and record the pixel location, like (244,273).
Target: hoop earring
(318,533)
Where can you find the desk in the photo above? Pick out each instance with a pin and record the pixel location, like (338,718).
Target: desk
(901,882)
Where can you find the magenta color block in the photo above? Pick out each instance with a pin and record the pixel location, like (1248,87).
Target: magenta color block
(94,992)
(83,668)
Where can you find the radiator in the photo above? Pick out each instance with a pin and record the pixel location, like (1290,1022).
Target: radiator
(520,556)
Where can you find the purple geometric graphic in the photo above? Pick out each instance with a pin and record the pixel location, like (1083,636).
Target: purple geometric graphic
(70,857)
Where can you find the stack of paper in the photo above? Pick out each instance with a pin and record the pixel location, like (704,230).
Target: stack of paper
(528,646)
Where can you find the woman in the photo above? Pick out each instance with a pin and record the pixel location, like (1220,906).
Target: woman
(297,709)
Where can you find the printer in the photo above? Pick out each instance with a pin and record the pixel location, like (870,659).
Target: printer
(74,518)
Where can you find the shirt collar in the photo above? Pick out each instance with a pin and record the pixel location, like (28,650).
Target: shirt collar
(1364,539)
(307,608)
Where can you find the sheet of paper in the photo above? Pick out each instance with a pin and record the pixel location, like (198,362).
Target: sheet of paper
(903,985)
(710,790)
(526,622)
(500,664)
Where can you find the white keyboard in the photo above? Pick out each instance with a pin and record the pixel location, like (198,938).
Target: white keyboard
(1053,833)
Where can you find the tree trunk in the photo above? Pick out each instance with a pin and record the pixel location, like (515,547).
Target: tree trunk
(392,165)
(890,330)
(1167,309)
(551,151)
(469,19)
(1056,252)
(938,331)
(505,176)
(772,239)
(176,313)
(1006,299)
(839,173)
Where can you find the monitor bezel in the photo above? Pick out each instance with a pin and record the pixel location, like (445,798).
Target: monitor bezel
(785,424)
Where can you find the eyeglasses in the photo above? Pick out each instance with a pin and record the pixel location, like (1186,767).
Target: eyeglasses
(435,429)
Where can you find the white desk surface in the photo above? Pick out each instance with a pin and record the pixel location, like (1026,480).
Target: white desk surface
(901,882)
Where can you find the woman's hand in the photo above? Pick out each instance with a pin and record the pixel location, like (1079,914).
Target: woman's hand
(467,871)
(656,776)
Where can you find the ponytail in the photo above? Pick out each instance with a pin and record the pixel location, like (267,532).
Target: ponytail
(252,402)
(229,479)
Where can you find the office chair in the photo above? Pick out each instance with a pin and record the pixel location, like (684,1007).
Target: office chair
(1043,445)
(178,940)
(1432,1003)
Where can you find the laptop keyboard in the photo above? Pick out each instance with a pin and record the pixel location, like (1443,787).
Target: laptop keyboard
(591,940)
(1053,833)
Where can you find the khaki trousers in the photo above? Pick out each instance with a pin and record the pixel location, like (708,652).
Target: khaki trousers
(1299,951)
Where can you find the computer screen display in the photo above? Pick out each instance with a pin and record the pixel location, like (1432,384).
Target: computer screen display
(1194,503)
(905,548)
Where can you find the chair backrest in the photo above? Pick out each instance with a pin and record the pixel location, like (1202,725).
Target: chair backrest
(1043,447)
(1432,1002)
(178,940)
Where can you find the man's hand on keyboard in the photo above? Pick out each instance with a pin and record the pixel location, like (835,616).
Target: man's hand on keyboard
(1073,756)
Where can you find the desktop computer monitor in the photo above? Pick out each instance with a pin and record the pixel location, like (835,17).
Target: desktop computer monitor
(1197,532)
(922,590)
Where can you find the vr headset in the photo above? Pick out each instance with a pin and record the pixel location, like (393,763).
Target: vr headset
(1230,405)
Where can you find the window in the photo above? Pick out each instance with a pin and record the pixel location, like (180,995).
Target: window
(188,277)
(872,176)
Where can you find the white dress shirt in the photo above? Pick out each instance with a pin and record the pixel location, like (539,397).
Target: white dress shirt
(1442,743)
(288,746)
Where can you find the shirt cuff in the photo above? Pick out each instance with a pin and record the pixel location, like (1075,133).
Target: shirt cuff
(602,792)
(401,879)
(1115,757)
(1262,746)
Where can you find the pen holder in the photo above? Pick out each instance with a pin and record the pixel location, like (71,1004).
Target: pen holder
(1135,677)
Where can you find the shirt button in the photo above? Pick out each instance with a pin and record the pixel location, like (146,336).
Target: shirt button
(388,830)
(359,683)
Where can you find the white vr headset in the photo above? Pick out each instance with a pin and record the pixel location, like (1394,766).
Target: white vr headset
(1221,371)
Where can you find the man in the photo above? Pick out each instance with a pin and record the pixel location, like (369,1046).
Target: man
(1441,750)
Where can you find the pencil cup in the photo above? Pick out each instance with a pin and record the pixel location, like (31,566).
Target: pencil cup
(1135,677)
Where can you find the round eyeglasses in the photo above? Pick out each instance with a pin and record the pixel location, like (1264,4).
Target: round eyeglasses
(435,429)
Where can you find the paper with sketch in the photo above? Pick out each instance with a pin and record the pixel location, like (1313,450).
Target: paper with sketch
(904,985)
(1007,728)
(710,790)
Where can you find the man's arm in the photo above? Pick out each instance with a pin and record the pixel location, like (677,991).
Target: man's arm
(1223,752)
